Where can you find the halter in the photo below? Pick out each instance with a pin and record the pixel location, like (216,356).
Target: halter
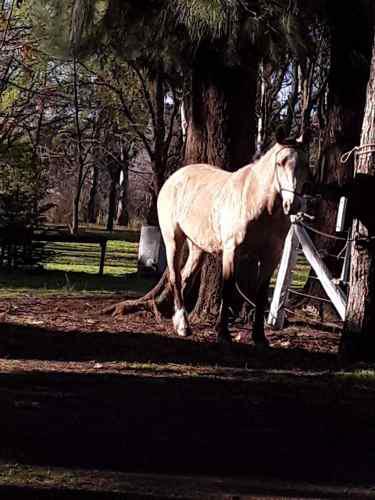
(281,189)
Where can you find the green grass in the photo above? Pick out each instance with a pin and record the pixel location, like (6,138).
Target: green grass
(360,376)
(72,268)
(300,273)
(121,257)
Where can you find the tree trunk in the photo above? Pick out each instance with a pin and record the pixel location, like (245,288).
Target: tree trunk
(358,341)
(159,157)
(122,208)
(80,160)
(91,207)
(221,116)
(221,131)
(75,215)
(115,177)
(154,189)
(347,93)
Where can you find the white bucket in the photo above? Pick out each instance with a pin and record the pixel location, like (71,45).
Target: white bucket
(151,253)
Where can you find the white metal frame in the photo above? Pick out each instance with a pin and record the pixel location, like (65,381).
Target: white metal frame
(297,237)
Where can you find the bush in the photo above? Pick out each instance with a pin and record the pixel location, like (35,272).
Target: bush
(23,187)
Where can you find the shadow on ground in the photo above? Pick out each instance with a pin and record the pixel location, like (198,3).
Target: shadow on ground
(29,493)
(43,280)
(241,416)
(18,342)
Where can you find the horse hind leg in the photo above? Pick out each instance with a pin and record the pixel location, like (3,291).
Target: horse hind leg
(258,334)
(174,245)
(265,273)
(192,263)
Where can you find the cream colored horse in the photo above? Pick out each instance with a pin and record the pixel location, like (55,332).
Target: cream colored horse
(231,214)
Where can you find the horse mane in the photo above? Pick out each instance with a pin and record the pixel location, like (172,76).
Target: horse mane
(261,155)
(263,152)
(256,156)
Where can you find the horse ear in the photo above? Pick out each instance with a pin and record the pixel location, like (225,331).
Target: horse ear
(305,137)
(280,134)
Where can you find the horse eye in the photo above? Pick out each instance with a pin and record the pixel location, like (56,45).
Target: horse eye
(283,161)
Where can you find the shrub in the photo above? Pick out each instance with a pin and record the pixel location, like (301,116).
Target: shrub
(23,187)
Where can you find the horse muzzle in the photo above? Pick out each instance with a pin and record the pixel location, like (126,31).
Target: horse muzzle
(292,205)
(287,205)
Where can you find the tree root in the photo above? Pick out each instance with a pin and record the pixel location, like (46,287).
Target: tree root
(129,306)
(156,301)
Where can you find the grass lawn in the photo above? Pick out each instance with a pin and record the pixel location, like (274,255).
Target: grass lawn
(72,268)
(121,258)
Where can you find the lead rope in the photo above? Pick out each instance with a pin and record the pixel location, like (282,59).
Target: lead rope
(358,150)
(362,149)
(245,298)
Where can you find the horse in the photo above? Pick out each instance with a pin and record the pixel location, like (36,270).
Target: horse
(231,214)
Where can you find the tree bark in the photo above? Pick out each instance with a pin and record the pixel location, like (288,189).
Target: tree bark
(221,115)
(152,212)
(358,341)
(159,157)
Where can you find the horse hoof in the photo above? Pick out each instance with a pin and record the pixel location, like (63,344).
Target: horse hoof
(181,324)
(186,332)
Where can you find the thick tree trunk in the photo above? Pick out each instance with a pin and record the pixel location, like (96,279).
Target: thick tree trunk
(358,341)
(221,115)
(221,131)
(347,92)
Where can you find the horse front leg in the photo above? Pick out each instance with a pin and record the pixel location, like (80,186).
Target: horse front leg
(173,245)
(221,326)
(261,302)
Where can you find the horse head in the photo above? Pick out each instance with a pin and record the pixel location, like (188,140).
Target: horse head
(292,173)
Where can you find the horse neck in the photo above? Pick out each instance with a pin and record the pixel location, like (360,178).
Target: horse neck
(261,185)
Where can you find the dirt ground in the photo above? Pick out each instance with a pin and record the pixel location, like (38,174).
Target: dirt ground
(95,407)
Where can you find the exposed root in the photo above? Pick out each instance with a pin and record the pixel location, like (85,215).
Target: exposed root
(156,312)
(129,306)
(155,301)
